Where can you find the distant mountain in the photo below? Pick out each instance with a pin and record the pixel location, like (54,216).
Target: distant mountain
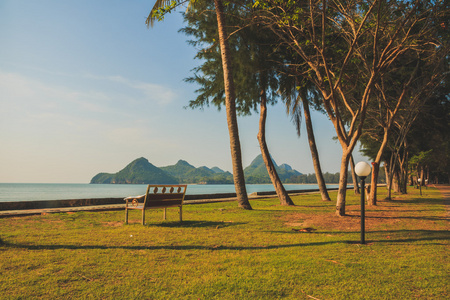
(139,171)
(217,170)
(286,167)
(179,169)
(256,172)
(199,175)
(186,173)
(256,167)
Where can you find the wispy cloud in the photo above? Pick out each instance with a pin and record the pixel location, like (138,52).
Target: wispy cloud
(89,94)
(31,95)
(154,92)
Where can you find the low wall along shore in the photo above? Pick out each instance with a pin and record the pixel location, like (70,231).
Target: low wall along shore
(189,199)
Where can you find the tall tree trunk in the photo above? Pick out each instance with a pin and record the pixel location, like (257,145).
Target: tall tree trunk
(314,152)
(405,167)
(376,166)
(390,180)
(230,99)
(396,181)
(386,172)
(403,170)
(374,182)
(422,176)
(340,203)
(279,188)
(354,179)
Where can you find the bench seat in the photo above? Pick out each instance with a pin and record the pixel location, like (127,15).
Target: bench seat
(157,196)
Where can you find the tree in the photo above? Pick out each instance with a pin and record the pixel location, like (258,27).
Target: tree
(297,96)
(314,152)
(412,90)
(407,85)
(279,188)
(345,46)
(253,57)
(159,9)
(429,139)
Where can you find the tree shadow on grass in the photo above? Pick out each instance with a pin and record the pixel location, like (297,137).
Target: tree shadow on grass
(387,214)
(162,247)
(388,210)
(429,218)
(408,236)
(195,224)
(433,201)
(392,237)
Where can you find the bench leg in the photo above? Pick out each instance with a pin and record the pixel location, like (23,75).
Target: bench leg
(181,214)
(164,216)
(143,217)
(126,216)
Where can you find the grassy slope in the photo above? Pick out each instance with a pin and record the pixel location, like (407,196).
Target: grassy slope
(223,252)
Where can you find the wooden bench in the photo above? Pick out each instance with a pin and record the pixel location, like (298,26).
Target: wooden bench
(157,196)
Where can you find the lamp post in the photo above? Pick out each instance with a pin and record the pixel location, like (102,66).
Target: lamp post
(362,169)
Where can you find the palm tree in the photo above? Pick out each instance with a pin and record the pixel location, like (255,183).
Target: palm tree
(255,66)
(230,97)
(313,149)
(282,194)
(296,95)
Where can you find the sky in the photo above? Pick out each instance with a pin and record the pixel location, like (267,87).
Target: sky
(86,87)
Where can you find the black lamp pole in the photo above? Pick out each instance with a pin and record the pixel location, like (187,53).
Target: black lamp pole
(363,210)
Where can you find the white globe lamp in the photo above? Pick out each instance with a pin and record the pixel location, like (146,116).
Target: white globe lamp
(362,169)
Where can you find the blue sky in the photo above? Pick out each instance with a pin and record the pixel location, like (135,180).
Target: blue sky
(86,87)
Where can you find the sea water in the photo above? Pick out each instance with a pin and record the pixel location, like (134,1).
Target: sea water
(58,191)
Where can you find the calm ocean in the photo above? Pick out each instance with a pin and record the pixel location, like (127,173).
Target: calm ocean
(58,191)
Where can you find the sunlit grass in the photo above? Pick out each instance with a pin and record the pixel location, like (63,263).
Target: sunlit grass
(223,252)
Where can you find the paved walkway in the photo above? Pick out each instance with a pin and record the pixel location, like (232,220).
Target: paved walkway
(444,189)
(109,207)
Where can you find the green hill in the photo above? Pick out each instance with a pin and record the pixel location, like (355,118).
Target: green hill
(186,173)
(217,170)
(179,170)
(256,172)
(139,171)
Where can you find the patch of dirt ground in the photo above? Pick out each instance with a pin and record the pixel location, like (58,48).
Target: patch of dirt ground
(382,216)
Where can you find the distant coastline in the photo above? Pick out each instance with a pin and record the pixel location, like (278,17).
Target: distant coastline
(141,171)
(10,192)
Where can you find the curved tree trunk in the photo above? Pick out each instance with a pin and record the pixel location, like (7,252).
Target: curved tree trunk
(374,183)
(314,152)
(340,202)
(386,173)
(390,182)
(376,167)
(396,181)
(404,171)
(230,99)
(279,188)
(354,179)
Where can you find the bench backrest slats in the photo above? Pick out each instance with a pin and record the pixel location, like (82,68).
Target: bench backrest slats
(165,195)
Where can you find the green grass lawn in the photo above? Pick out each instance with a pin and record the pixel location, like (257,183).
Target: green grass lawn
(223,252)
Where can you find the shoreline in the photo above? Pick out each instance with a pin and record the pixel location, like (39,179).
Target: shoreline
(22,208)
(56,192)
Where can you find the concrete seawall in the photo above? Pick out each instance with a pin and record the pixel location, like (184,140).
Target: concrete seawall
(118,202)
